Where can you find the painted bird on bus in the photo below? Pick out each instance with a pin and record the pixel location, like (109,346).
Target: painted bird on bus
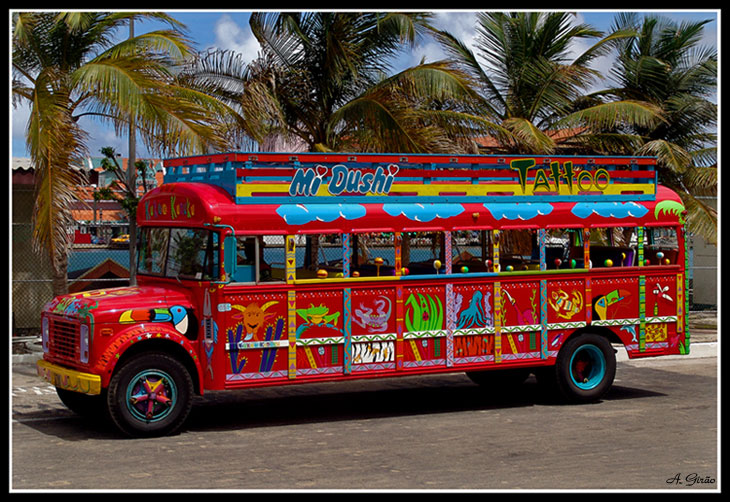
(177,315)
(602,303)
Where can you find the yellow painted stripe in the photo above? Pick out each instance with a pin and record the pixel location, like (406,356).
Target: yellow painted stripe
(312,362)
(416,352)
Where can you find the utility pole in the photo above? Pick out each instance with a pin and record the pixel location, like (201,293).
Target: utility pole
(132,184)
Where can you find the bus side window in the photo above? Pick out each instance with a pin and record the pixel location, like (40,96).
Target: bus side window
(470,249)
(272,258)
(613,247)
(259,258)
(245,259)
(663,248)
(419,251)
(329,255)
(519,250)
(558,243)
(373,254)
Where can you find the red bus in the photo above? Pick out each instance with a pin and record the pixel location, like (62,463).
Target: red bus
(262,269)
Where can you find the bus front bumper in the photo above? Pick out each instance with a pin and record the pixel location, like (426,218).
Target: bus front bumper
(69,379)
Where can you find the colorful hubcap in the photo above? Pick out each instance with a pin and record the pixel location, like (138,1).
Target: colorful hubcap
(587,367)
(151,395)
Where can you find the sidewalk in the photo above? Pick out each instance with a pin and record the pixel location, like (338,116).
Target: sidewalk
(702,328)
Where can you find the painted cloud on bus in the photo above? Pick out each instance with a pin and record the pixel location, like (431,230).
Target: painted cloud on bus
(518,211)
(423,212)
(300,214)
(609,209)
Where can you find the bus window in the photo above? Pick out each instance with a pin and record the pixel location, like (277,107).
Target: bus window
(558,244)
(193,254)
(373,254)
(245,259)
(518,250)
(662,248)
(419,251)
(259,258)
(613,247)
(272,258)
(152,250)
(470,249)
(327,254)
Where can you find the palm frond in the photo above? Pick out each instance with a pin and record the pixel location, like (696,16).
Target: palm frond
(668,155)
(530,139)
(701,217)
(609,116)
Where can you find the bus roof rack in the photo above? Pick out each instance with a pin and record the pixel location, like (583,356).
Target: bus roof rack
(286,178)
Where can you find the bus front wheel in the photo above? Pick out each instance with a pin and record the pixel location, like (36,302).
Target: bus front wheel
(150,395)
(584,369)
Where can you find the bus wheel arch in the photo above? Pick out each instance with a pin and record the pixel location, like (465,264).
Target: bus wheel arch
(166,346)
(584,368)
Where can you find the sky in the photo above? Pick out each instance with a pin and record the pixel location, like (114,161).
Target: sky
(229,30)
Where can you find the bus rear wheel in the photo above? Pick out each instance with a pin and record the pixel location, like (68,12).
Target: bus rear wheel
(150,395)
(584,369)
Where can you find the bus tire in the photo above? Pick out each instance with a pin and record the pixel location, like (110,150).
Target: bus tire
(150,395)
(585,368)
(500,379)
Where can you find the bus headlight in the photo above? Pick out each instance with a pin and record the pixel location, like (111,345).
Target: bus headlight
(45,334)
(84,343)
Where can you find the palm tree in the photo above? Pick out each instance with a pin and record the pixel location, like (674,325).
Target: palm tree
(664,64)
(324,79)
(532,85)
(68,65)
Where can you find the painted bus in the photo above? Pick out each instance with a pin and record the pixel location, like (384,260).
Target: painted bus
(263,269)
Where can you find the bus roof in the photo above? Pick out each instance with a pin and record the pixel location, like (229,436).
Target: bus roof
(278,178)
(263,193)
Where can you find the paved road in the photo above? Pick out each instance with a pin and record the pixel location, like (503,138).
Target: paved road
(656,429)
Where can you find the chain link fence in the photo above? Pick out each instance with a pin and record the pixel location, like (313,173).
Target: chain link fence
(90,266)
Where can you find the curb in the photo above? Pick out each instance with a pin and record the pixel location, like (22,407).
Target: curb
(27,358)
(696,351)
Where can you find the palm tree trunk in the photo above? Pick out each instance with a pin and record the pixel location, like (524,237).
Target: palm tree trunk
(60,274)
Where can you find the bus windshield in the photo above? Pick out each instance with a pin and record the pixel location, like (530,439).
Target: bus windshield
(185,253)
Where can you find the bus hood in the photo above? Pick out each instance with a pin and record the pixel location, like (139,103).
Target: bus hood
(126,305)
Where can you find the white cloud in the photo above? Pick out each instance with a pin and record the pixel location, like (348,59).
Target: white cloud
(229,35)
(18,122)
(461,24)
(458,23)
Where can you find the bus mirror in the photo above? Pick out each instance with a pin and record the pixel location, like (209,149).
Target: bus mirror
(229,257)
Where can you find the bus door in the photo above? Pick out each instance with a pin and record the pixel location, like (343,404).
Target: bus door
(252,327)
(520,320)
